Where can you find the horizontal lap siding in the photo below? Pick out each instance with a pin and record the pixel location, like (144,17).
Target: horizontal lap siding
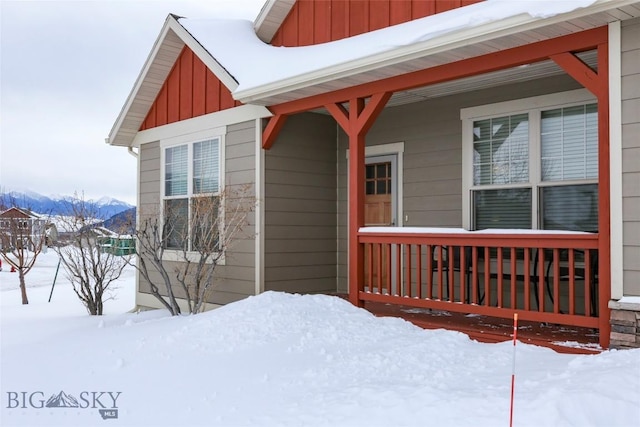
(300,206)
(319,21)
(190,90)
(432,136)
(631,156)
(236,278)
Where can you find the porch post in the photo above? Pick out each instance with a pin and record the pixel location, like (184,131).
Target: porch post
(356,203)
(356,122)
(604,193)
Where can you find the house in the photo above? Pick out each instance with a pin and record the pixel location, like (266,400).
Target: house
(479,157)
(20,226)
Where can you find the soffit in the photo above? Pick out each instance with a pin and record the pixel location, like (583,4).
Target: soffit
(486,46)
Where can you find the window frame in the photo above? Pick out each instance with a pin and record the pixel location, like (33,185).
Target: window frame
(532,106)
(174,254)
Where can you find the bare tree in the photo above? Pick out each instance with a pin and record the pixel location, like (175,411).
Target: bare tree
(197,232)
(22,237)
(90,258)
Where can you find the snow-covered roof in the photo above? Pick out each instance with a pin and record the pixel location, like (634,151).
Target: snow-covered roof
(269,75)
(261,74)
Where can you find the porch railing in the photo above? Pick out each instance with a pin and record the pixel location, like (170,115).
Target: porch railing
(550,277)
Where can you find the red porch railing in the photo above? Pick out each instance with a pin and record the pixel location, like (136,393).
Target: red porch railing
(550,277)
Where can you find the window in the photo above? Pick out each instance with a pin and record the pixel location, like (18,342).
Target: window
(527,167)
(191,193)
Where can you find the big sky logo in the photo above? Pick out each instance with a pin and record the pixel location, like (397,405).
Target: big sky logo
(106,402)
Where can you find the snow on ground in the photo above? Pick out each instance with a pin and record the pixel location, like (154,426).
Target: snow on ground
(285,360)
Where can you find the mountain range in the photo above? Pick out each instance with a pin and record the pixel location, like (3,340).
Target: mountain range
(105,207)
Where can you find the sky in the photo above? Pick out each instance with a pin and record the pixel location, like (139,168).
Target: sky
(66,69)
(280,359)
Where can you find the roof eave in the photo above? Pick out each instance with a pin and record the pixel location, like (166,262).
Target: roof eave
(481,33)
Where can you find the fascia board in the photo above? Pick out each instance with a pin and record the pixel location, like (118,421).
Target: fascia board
(140,79)
(453,40)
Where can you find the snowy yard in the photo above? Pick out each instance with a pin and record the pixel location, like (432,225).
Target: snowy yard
(281,359)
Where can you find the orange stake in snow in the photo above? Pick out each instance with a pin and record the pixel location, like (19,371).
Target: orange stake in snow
(513,367)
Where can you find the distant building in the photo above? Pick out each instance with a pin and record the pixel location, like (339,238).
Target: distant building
(19,227)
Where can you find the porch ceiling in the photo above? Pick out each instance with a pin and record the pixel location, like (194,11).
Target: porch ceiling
(499,41)
(484,81)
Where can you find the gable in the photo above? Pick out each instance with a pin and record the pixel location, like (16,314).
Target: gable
(14,213)
(190,90)
(312,22)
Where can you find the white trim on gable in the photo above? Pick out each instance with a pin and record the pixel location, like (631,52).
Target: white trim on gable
(166,50)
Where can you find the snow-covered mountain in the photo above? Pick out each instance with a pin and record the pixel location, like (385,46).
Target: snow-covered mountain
(105,207)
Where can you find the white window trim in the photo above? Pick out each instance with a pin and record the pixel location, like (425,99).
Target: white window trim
(518,106)
(191,138)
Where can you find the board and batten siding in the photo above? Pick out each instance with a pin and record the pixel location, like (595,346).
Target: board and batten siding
(236,278)
(300,207)
(630,67)
(432,135)
(314,22)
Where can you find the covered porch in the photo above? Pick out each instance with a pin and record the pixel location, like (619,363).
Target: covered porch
(546,276)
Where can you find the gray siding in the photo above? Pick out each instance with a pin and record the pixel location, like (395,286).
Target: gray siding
(236,278)
(300,206)
(631,156)
(432,134)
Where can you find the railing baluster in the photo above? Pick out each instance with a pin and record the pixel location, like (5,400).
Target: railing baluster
(587,284)
(463,276)
(514,294)
(474,273)
(419,270)
(487,276)
(572,282)
(398,269)
(368,249)
(527,279)
(440,272)
(500,277)
(379,261)
(389,270)
(450,272)
(541,280)
(430,271)
(408,269)
(556,280)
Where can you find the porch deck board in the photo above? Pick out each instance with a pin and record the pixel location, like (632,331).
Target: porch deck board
(487,329)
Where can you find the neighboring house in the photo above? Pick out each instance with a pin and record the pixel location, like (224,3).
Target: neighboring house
(19,226)
(483,159)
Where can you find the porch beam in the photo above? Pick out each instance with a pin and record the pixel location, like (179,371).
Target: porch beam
(272,130)
(580,71)
(526,54)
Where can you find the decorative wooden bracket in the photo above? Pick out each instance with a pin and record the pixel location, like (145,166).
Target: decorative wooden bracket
(360,117)
(272,130)
(580,71)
